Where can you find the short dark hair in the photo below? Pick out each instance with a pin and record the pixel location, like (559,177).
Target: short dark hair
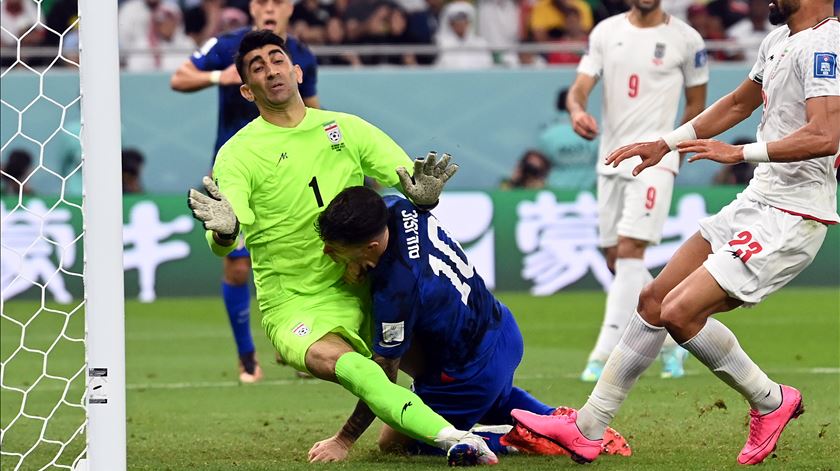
(355,216)
(255,40)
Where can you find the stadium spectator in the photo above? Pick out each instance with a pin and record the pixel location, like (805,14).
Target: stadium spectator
(203,20)
(232,18)
(738,174)
(498,24)
(606,8)
(750,31)
(710,27)
(335,37)
(548,18)
(14,172)
(16,19)
(575,34)
(461,47)
(163,48)
(135,22)
(388,25)
(572,157)
(729,11)
(678,8)
(132,168)
(531,172)
(423,25)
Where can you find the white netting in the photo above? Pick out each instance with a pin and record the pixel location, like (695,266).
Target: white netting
(42,355)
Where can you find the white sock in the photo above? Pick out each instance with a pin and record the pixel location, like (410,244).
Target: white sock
(717,348)
(637,349)
(630,277)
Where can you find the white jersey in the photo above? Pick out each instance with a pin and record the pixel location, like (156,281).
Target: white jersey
(792,69)
(644,72)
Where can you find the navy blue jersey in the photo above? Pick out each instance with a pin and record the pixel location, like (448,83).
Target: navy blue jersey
(234,111)
(425,290)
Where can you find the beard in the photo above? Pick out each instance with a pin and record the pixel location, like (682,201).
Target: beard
(780,12)
(646,8)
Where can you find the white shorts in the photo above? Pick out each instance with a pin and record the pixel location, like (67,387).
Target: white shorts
(757,248)
(635,207)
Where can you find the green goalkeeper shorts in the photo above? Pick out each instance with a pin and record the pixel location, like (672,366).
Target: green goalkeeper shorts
(300,321)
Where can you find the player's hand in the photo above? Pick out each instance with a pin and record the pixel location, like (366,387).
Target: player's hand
(331,449)
(585,125)
(214,211)
(651,153)
(430,175)
(710,149)
(230,76)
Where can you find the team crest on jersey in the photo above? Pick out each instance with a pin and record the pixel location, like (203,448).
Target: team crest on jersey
(658,53)
(825,65)
(333,132)
(301,329)
(700,58)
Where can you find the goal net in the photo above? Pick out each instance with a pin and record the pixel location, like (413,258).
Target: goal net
(62,400)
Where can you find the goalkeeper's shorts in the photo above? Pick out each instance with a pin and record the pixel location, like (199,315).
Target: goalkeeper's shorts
(300,321)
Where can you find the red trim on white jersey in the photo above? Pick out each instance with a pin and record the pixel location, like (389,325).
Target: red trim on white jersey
(825,21)
(806,216)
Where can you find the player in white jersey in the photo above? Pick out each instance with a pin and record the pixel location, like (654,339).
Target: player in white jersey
(752,247)
(645,58)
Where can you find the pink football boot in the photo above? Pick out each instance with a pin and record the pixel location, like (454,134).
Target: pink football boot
(562,430)
(766,429)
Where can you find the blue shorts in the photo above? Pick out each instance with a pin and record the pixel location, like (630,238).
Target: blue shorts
(240,251)
(481,398)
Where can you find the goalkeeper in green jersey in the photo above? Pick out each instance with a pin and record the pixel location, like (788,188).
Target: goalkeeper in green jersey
(272,179)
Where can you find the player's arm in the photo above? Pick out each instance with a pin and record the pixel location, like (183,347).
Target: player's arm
(582,122)
(819,137)
(189,78)
(722,115)
(695,102)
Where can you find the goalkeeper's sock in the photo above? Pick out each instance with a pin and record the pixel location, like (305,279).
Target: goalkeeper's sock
(237,300)
(622,298)
(393,404)
(636,350)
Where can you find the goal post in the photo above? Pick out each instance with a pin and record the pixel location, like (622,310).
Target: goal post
(99,78)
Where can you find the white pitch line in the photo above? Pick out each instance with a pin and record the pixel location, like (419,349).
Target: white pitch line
(288,382)
(308,382)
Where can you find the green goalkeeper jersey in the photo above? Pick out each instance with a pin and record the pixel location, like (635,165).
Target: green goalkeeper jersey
(279,179)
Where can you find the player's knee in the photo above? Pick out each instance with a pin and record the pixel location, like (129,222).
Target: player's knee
(237,271)
(650,304)
(674,313)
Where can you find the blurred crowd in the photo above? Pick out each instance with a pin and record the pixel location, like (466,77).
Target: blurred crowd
(155,34)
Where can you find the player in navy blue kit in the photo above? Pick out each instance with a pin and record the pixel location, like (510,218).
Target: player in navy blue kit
(213,65)
(433,317)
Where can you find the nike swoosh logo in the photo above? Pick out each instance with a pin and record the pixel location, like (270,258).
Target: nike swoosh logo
(578,442)
(763,444)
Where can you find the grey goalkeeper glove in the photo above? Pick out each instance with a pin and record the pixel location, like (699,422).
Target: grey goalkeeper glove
(430,175)
(214,211)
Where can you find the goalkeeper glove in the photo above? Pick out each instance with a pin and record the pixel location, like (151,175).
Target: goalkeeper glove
(430,175)
(214,211)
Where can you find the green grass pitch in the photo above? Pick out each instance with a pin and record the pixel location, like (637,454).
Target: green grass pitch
(186,411)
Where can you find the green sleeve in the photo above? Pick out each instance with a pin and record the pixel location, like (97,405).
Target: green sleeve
(217,249)
(234,181)
(380,155)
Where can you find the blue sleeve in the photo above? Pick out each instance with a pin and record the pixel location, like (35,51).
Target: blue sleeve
(394,303)
(308,88)
(210,56)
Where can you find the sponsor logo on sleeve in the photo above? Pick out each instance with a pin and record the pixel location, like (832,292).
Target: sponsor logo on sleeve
(393,333)
(825,65)
(700,58)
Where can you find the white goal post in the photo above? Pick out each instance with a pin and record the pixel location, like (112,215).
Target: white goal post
(62,360)
(99,78)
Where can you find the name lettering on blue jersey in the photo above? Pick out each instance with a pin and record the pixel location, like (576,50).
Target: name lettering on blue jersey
(410,227)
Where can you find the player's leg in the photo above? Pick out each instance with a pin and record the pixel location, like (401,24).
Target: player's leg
(237,298)
(581,433)
(331,358)
(610,206)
